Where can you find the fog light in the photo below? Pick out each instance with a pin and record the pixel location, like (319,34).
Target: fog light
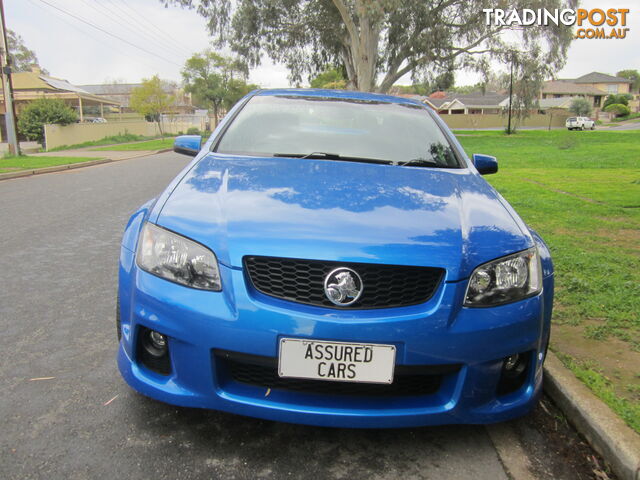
(152,350)
(155,343)
(159,340)
(510,362)
(514,374)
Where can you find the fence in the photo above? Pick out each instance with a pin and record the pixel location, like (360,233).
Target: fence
(57,135)
(472,121)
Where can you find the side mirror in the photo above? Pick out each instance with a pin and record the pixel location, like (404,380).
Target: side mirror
(485,164)
(187,144)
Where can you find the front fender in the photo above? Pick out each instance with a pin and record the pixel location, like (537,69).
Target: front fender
(127,259)
(132,230)
(547,285)
(545,254)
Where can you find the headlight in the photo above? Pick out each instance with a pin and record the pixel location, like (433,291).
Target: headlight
(505,280)
(176,258)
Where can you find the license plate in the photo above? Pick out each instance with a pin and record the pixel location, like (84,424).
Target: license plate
(336,361)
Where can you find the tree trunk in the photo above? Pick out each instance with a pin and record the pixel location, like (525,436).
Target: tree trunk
(215,114)
(367,51)
(160,126)
(360,51)
(363,58)
(348,65)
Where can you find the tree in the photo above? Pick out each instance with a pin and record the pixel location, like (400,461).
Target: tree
(580,107)
(633,75)
(618,109)
(442,82)
(379,41)
(22,58)
(622,98)
(527,80)
(215,81)
(151,100)
(330,78)
(44,111)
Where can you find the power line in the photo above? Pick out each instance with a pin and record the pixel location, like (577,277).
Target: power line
(109,33)
(118,19)
(84,32)
(162,36)
(153,25)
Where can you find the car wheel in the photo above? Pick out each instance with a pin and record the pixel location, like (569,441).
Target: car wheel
(118,324)
(593,127)
(581,128)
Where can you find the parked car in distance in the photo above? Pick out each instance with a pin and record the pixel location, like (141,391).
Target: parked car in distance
(580,123)
(334,258)
(93,120)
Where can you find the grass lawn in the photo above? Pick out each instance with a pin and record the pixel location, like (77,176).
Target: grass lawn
(123,138)
(13,164)
(581,192)
(157,144)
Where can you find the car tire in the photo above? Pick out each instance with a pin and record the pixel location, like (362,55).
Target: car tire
(118,323)
(593,127)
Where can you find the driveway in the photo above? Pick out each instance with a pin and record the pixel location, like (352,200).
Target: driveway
(65,413)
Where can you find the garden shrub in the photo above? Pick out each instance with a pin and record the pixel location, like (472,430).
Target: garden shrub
(38,113)
(618,109)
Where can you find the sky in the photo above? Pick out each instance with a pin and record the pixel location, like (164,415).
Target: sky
(136,39)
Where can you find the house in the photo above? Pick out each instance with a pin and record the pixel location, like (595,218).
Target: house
(121,92)
(570,89)
(606,83)
(471,103)
(594,86)
(487,110)
(562,103)
(29,86)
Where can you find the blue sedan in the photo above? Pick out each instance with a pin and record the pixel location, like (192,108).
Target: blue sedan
(334,258)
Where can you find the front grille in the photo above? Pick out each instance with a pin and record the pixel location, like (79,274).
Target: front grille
(302,281)
(409,380)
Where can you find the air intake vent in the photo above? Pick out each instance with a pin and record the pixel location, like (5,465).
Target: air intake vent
(302,281)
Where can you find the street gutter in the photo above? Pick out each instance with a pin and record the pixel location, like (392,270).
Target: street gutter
(73,166)
(618,444)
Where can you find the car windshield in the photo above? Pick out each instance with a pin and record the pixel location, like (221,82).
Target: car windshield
(338,129)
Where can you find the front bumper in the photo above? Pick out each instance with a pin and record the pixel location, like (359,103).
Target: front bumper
(242,320)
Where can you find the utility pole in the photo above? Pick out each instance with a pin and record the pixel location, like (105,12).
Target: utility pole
(7,88)
(510,94)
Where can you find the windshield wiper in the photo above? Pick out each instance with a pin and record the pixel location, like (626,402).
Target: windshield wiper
(328,155)
(427,162)
(332,156)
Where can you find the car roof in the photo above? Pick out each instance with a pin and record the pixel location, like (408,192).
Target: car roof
(327,93)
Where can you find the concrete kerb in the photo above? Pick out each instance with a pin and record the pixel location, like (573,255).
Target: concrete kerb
(603,429)
(71,166)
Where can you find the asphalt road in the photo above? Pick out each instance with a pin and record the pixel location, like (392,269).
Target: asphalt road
(59,238)
(626,126)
